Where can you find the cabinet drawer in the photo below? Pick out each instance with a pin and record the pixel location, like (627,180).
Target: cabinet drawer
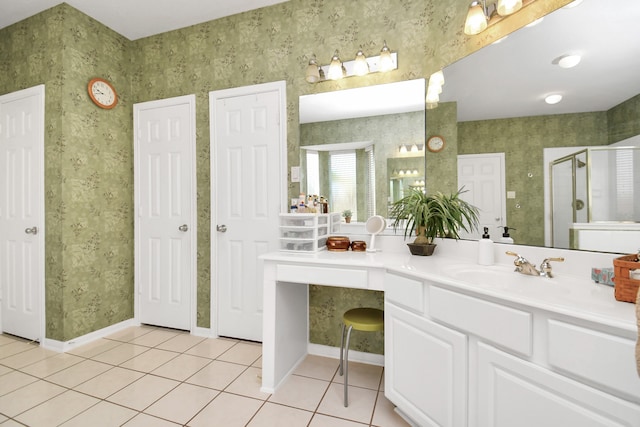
(502,325)
(404,291)
(329,276)
(600,358)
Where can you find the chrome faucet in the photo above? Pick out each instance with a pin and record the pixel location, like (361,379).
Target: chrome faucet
(523,266)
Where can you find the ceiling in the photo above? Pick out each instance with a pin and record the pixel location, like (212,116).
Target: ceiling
(136,19)
(512,78)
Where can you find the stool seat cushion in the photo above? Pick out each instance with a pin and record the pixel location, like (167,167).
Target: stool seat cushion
(364,319)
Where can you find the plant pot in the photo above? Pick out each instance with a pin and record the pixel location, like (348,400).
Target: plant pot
(347,219)
(421,249)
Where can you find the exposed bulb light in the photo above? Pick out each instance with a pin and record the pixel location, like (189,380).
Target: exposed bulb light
(313,71)
(507,7)
(568,61)
(436,78)
(414,148)
(386,62)
(361,66)
(476,21)
(553,99)
(403,149)
(335,68)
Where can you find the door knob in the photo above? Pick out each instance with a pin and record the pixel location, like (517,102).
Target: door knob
(221,228)
(184,228)
(32,230)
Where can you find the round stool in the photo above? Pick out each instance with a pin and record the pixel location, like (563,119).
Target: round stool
(360,319)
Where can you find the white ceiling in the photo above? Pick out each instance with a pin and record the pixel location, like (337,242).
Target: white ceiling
(136,19)
(512,78)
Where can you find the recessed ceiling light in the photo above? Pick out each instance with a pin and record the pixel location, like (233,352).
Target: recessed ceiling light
(572,4)
(534,23)
(568,61)
(553,99)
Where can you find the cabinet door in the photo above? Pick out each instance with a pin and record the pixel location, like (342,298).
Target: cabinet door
(425,369)
(511,392)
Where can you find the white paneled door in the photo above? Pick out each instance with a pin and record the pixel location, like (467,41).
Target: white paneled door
(248,140)
(165,200)
(483,178)
(22,213)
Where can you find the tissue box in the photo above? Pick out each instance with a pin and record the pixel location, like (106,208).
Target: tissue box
(602,275)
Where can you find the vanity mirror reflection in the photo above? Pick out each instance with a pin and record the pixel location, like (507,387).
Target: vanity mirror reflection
(363,148)
(496,98)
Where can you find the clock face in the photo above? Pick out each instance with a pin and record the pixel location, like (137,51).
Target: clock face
(102,93)
(435,143)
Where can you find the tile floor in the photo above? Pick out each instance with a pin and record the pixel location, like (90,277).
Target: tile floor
(147,376)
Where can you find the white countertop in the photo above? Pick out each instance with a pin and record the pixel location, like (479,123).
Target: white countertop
(571,292)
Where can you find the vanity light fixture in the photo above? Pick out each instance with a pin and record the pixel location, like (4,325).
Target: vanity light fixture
(553,99)
(402,149)
(360,66)
(481,14)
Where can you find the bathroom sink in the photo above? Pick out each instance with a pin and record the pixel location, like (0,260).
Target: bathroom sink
(502,277)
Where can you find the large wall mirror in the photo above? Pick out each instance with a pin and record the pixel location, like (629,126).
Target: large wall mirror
(497,96)
(363,148)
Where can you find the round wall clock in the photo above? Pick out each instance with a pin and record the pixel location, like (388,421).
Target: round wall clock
(435,143)
(102,93)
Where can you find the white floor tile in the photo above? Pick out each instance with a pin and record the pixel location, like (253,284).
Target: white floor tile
(242,353)
(27,397)
(144,392)
(57,410)
(248,384)
(14,381)
(182,403)
(320,420)
(300,392)
(212,348)
(104,414)
(361,403)
(322,368)
(79,373)
(181,367)
(217,375)
(109,382)
(227,410)
(144,420)
(273,415)
(384,414)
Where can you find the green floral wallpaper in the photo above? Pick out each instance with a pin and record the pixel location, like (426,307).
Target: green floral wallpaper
(89,192)
(624,120)
(88,166)
(509,136)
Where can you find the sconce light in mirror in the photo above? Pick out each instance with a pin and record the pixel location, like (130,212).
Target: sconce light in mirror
(481,15)
(434,89)
(360,66)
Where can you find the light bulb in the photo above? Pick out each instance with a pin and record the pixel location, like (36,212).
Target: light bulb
(335,68)
(386,62)
(360,66)
(313,71)
(476,21)
(507,7)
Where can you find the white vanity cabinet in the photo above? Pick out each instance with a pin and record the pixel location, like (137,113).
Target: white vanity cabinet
(456,358)
(425,363)
(513,392)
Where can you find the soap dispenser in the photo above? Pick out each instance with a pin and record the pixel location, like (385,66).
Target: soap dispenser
(506,238)
(486,252)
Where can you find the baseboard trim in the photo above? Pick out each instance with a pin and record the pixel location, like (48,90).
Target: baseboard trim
(203,332)
(354,356)
(64,346)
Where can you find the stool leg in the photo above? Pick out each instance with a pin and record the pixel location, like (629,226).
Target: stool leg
(341,348)
(346,368)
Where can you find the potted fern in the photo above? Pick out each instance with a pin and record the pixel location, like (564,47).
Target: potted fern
(431,216)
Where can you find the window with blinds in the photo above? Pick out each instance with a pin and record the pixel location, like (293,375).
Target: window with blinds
(371,187)
(624,185)
(313,172)
(343,190)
